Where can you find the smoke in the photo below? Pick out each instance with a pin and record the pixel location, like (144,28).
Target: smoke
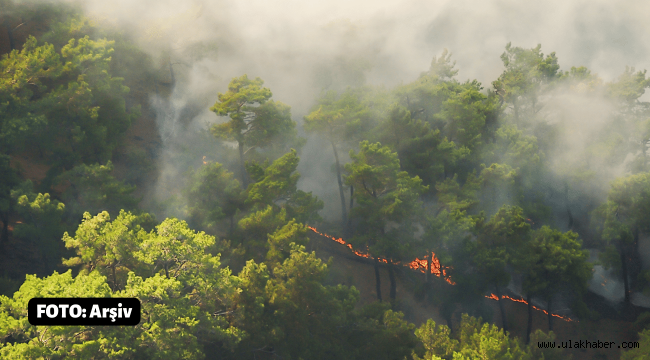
(606,284)
(181,119)
(287,42)
(300,48)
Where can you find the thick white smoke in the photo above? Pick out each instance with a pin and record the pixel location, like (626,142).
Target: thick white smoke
(302,47)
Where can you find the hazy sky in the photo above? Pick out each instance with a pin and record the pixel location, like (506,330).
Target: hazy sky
(280,39)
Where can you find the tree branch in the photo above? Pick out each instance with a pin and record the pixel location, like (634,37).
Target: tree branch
(363,182)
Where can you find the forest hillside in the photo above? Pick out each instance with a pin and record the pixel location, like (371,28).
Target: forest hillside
(340,216)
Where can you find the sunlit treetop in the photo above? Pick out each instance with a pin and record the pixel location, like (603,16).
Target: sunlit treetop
(239,103)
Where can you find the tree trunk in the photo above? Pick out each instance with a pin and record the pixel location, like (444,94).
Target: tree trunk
(393,284)
(4,238)
(348,226)
(626,284)
(448,313)
(232,224)
(377,279)
(635,266)
(344,213)
(10,35)
(244,177)
(530,319)
(504,320)
(351,197)
(550,317)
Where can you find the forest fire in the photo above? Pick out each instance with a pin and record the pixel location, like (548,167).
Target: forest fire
(421,265)
(417,264)
(494,297)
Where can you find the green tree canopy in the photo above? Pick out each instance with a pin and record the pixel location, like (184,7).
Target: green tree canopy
(288,311)
(255,121)
(642,351)
(477,340)
(385,196)
(170,328)
(277,185)
(93,188)
(24,75)
(620,220)
(42,223)
(213,194)
(108,246)
(498,243)
(76,108)
(527,73)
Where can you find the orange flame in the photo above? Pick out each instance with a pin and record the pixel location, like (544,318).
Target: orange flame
(421,265)
(417,264)
(494,297)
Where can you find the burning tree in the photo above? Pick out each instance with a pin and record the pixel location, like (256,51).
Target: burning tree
(388,200)
(444,232)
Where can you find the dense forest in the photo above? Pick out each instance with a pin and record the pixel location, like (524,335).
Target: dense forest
(533,189)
